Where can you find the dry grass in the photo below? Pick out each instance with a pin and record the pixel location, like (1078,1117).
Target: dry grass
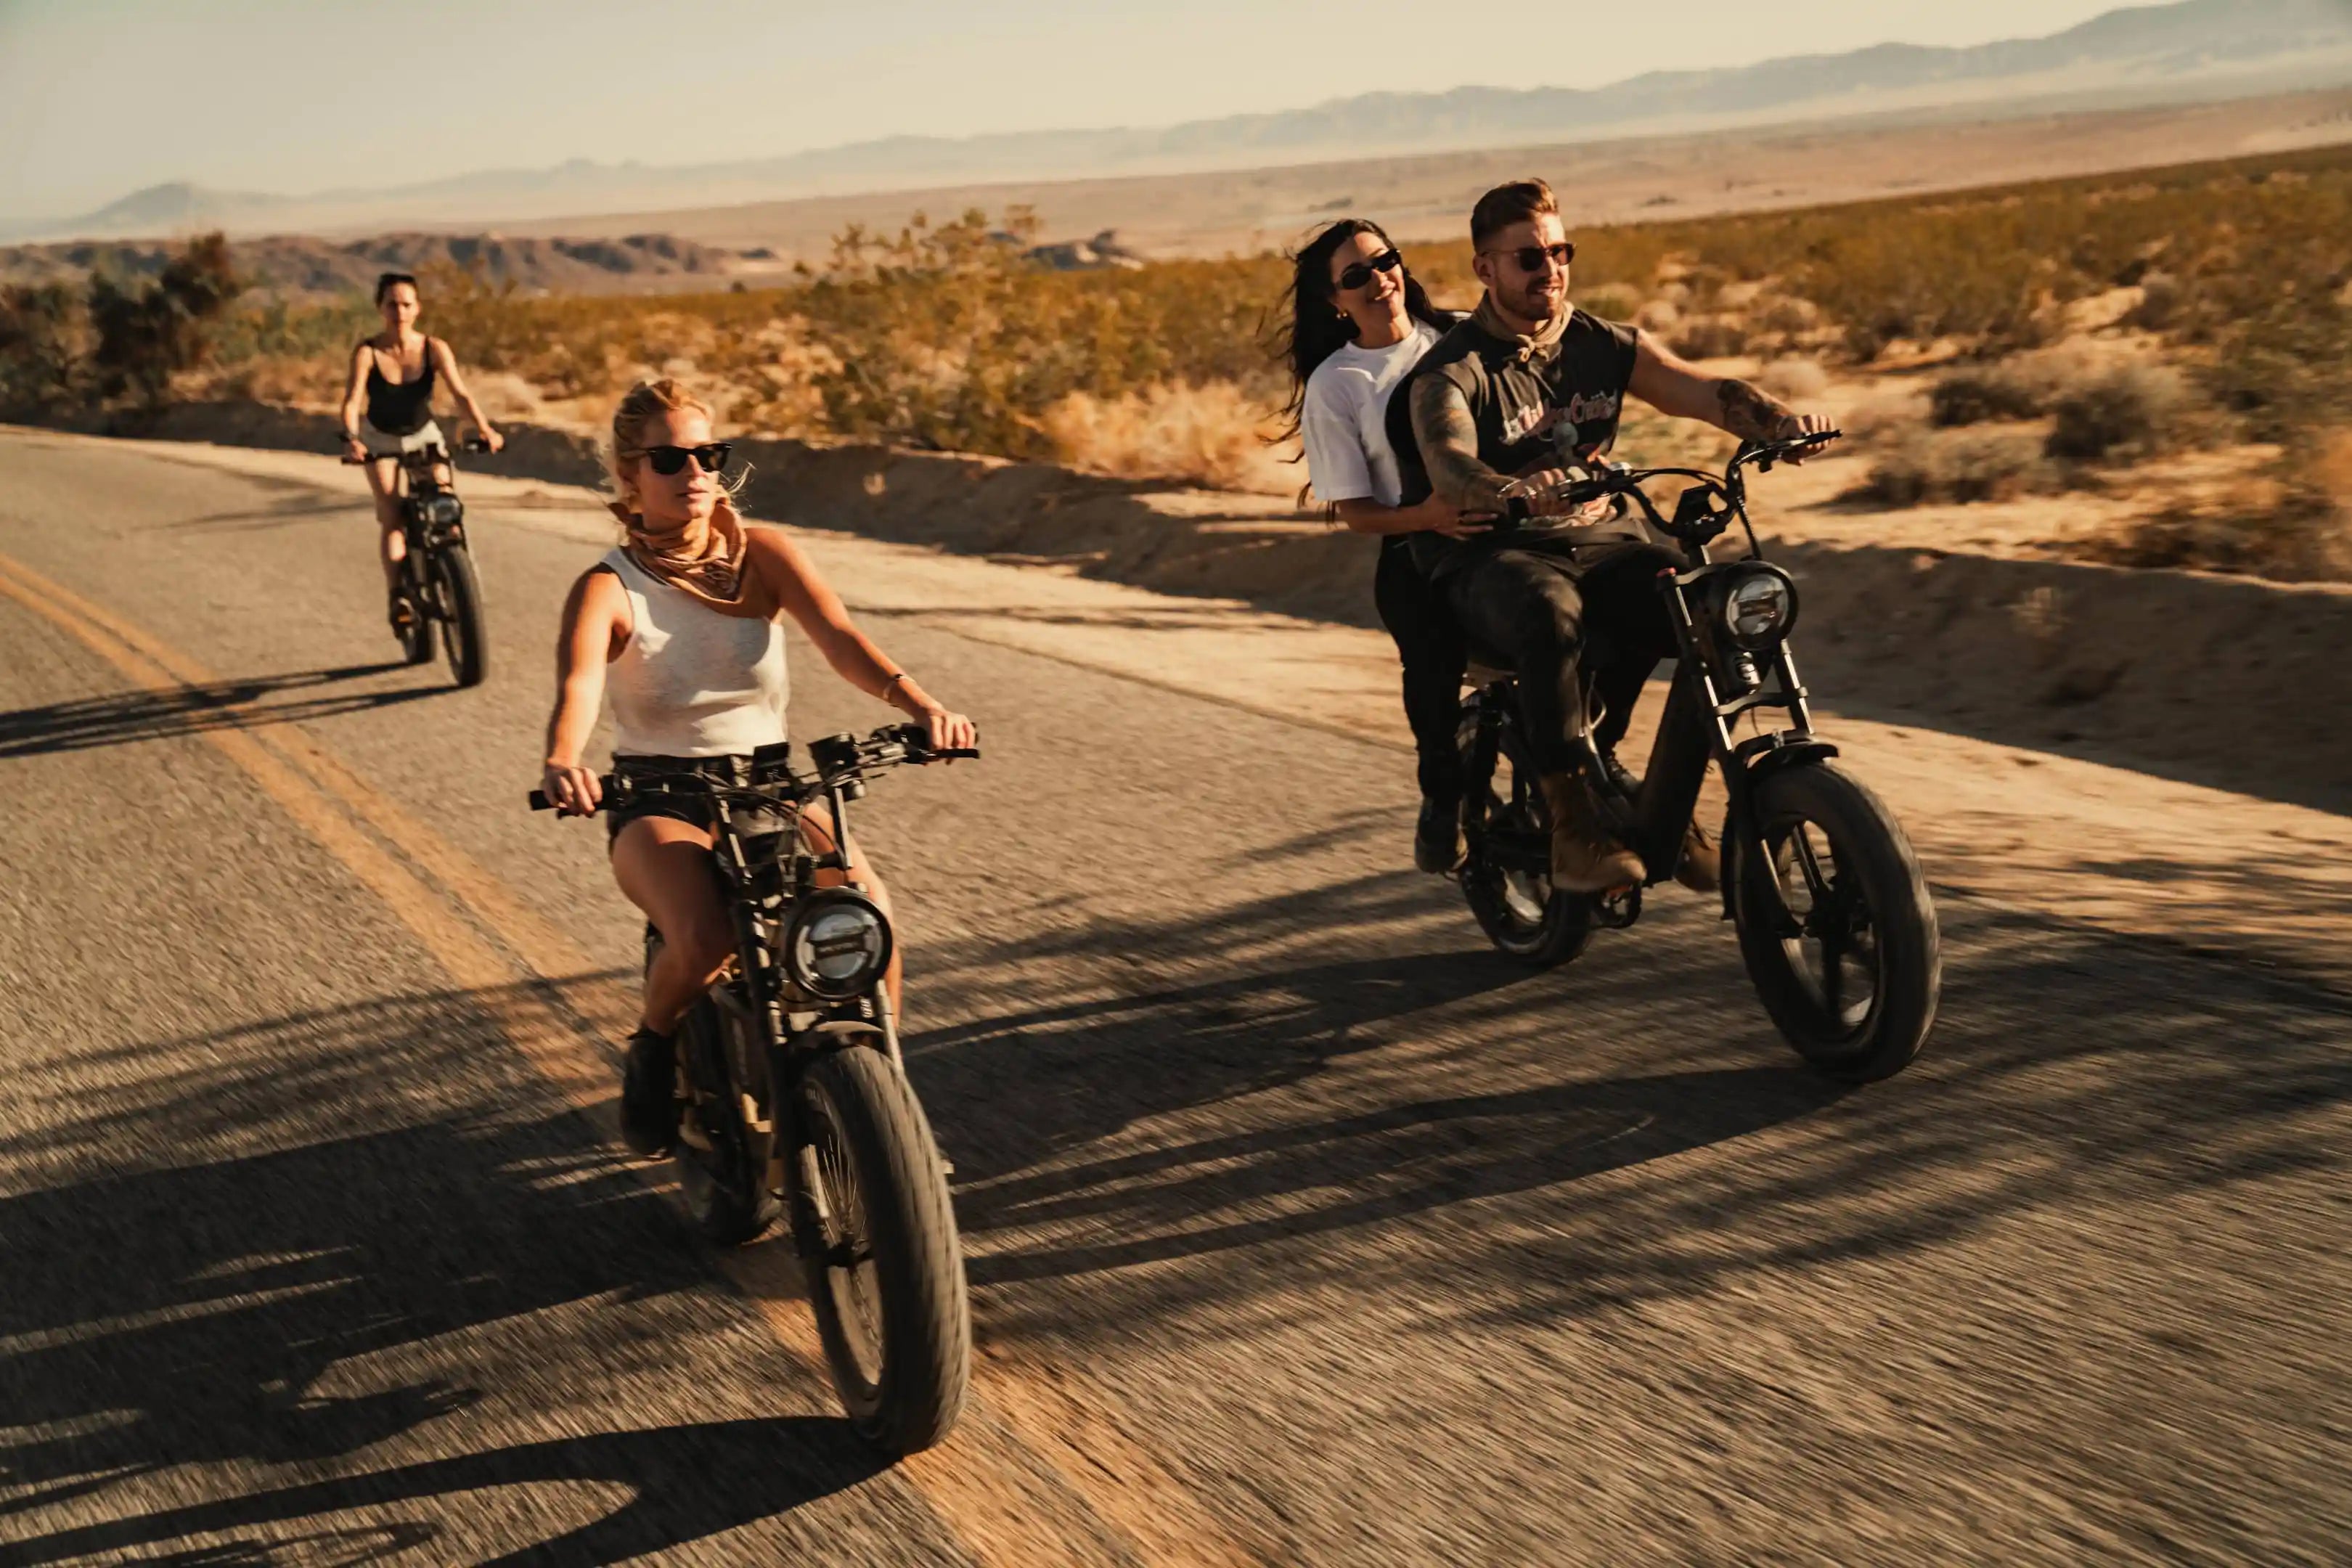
(1213,434)
(2299,530)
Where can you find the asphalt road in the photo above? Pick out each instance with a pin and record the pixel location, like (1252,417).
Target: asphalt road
(1301,1229)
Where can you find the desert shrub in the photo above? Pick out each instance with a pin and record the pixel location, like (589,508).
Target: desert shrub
(1212,436)
(1710,337)
(1980,392)
(1611,301)
(2159,304)
(2133,410)
(44,341)
(146,333)
(1963,465)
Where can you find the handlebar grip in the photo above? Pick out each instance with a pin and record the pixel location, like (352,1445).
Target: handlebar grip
(475,444)
(539,801)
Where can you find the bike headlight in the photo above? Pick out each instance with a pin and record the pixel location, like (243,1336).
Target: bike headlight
(1760,606)
(443,509)
(837,945)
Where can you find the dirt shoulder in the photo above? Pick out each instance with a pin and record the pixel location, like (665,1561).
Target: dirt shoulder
(2023,826)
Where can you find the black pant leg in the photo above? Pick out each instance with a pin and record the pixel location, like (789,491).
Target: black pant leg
(1526,607)
(1428,644)
(1625,612)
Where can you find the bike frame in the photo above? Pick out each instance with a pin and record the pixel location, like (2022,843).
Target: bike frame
(765,1019)
(1715,685)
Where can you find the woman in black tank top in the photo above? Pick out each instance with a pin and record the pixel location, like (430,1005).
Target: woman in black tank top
(388,410)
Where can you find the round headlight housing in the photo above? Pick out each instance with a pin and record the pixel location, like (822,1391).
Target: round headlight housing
(443,509)
(838,945)
(1758,606)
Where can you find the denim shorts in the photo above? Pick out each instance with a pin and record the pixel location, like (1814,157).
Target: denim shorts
(685,804)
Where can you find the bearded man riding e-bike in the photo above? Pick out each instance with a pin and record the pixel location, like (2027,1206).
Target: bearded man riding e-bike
(1496,411)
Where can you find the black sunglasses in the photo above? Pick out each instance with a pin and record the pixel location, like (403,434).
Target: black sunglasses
(667,461)
(1360,273)
(1531,258)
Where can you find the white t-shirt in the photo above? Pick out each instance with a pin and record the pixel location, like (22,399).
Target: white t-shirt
(1344,421)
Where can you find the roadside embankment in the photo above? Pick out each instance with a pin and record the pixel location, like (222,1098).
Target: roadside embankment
(2223,681)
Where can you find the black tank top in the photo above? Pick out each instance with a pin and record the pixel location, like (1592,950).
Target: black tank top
(400,407)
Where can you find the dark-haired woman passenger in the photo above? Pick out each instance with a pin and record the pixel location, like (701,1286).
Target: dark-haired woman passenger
(388,411)
(1359,322)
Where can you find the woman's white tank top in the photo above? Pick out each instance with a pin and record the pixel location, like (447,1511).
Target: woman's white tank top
(691,682)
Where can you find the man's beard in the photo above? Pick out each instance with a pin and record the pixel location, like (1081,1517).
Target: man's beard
(1533,305)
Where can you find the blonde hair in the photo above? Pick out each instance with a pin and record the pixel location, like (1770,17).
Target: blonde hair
(640,404)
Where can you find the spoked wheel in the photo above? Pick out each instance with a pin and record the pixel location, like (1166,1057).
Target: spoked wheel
(878,1236)
(460,613)
(722,1150)
(1835,924)
(1507,878)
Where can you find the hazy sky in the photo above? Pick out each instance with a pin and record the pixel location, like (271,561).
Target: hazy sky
(100,96)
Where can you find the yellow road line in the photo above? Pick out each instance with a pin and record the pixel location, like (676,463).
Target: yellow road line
(972,1482)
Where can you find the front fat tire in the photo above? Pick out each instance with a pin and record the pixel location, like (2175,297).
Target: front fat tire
(913,1400)
(1870,844)
(461,634)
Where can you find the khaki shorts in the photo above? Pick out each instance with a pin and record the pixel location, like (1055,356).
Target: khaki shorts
(381,444)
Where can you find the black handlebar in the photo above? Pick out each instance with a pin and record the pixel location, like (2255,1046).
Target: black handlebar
(914,739)
(470,444)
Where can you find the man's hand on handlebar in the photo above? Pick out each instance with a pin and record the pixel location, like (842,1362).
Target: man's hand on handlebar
(1797,426)
(573,789)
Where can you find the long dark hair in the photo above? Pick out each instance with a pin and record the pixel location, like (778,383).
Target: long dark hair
(1318,328)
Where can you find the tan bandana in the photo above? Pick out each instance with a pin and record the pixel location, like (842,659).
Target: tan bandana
(719,573)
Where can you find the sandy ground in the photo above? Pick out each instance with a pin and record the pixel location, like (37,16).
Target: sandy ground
(1610,182)
(2029,828)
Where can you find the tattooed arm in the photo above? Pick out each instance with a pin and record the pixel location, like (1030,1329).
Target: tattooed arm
(1673,385)
(1448,438)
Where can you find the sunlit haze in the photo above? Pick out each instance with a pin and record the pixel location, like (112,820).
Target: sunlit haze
(99,98)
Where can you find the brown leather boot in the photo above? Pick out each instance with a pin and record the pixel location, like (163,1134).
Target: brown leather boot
(1583,859)
(1701,867)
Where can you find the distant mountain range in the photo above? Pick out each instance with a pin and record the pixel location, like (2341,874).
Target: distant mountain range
(293,267)
(2195,49)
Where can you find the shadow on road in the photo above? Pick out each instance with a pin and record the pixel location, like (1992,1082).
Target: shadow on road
(92,721)
(1327,1088)
(349,1286)
(780,1463)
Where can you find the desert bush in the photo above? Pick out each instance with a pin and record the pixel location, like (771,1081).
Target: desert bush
(1611,301)
(43,343)
(146,333)
(1960,465)
(2159,304)
(1710,337)
(2134,410)
(1978,392)
(1213,435)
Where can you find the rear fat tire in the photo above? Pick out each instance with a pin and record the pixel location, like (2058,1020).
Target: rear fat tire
(855,1095)
(1565,925)
(1870,848)
(461,601)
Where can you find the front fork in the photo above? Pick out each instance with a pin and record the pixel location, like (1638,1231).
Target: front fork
(1697,726)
